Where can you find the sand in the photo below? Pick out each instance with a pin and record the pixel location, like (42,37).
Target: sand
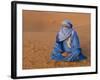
(39,32)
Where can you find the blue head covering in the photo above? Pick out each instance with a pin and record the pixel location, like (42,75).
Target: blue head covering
(68,23)
(65,32)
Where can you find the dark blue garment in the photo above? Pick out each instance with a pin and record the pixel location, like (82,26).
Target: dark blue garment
(75,53)
(56,53)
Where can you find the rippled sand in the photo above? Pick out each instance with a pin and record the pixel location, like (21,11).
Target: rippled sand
(36,52)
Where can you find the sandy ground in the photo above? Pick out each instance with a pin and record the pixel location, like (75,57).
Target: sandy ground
(39,31)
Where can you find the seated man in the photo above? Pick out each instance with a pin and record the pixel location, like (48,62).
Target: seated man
(67,42)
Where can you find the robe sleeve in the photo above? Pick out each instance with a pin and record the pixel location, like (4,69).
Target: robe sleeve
(75,40)
(75,43)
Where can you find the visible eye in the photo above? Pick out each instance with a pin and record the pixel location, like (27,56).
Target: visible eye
(65,26)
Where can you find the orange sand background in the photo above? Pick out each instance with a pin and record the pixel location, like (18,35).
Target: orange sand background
(39,32)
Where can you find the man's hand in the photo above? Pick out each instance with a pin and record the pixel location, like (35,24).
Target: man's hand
(65,54)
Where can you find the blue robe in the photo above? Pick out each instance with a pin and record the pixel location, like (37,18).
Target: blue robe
(75,53)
